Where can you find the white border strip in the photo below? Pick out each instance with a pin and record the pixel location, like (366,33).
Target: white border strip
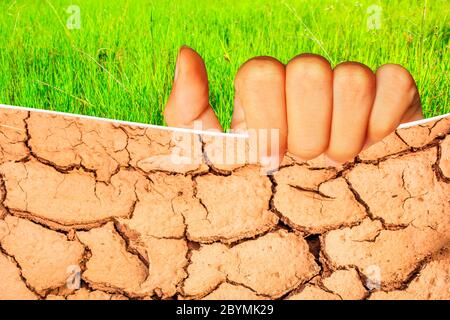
(129,123)
(199,132)
(423,121)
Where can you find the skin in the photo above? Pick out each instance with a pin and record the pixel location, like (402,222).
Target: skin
(318,110)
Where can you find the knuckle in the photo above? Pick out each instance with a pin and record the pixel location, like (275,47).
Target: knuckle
(353,73)
(311,66)
(260,69)
(397,76)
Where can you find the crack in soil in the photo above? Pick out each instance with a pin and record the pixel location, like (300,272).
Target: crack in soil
(29,287)
(315,241)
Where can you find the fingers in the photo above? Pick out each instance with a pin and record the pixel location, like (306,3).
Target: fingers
(238,119)
(353,97)
(309,98)
(261,103)
(328,111)
(189,102)
(396,101)
(337,112)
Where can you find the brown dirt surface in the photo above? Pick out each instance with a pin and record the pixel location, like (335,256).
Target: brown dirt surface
(313,292)
(138,217)
(42,254)
(345,283)
(444,161)
(227,291)
(13,135)
(235,207)
(432,282)
(285,254)
(89,202)
(86,294)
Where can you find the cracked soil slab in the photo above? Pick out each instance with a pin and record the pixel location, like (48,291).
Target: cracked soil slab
(285,254)
(42,255)
(145,213)
(62,200)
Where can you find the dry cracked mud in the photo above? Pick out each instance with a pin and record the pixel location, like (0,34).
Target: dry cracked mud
(95,209)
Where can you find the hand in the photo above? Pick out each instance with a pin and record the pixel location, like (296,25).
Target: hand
(318,110)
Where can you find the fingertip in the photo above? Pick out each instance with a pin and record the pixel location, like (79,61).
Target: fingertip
(190,63)
(260,69)
(308,65)
(189,100)
(355,74)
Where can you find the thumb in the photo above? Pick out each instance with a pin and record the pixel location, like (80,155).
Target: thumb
(189,101)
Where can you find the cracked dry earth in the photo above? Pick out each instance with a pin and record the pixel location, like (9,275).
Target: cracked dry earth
(104,202)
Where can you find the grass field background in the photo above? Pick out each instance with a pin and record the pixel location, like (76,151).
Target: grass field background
(120,63)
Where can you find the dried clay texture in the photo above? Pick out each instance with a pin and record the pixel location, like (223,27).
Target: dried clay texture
(92,209)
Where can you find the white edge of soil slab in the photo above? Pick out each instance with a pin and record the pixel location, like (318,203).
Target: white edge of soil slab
(193,131)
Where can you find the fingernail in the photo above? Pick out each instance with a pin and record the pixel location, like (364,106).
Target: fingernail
(177,68)
(178,63)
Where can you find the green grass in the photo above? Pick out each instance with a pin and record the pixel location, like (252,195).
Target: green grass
(120,63)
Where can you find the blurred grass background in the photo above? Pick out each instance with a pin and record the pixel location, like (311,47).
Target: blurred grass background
(120,63)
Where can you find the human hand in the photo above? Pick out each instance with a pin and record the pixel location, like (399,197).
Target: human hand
(317,110)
